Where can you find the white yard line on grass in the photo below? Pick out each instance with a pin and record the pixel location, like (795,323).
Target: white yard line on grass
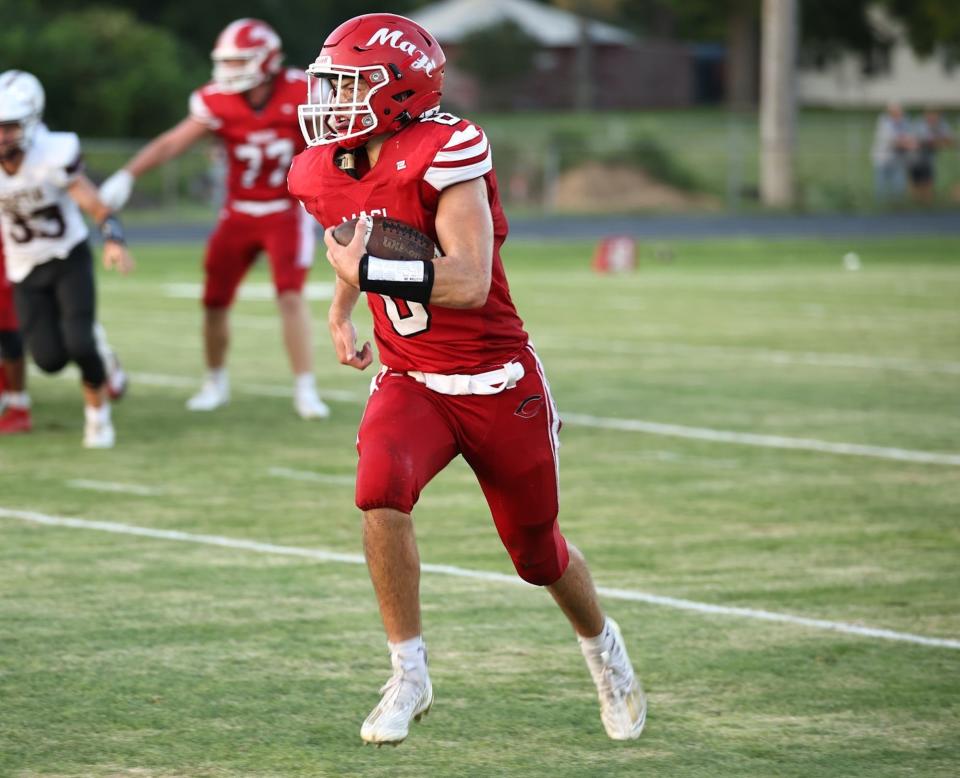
(771,356)
(112,486)
(249,291)
(620,425)
(255,390)
(765,441)
(482,575)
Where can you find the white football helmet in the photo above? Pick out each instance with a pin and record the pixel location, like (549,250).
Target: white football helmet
(247,53)
(21,103)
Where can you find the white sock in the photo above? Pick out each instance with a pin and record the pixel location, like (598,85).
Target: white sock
(99,415)
(411,653)
(304,382)
(217,376)
(599,643)
(18,400)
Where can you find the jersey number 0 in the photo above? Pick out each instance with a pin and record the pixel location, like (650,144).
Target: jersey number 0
(408,318)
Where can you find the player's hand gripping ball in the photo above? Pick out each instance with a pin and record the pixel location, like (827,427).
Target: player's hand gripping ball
(390,239)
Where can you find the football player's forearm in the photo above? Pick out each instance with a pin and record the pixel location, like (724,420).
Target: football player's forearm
(84,194)
(461,282)
(165,147)
(344,300)
(152,155)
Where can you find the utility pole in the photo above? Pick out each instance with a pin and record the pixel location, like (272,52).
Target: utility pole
(742,55)
(778,102)
(583,65)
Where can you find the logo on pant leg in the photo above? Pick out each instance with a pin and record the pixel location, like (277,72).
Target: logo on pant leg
(530,407)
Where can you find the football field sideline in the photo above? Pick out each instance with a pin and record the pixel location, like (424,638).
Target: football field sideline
(620,425)
(323,555)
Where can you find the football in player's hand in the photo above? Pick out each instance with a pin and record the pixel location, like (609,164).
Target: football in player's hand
(390,239)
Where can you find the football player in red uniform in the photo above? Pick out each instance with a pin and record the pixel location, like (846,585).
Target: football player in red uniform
(459,375)
(14,400)
(251,106)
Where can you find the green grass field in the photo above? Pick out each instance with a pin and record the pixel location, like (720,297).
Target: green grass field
(138,655)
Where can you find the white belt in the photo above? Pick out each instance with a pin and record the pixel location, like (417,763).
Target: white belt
(493,382)
(260,207)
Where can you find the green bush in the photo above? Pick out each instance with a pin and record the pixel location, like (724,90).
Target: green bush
(106,74)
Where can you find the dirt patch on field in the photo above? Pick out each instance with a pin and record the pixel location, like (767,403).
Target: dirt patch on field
(595,188)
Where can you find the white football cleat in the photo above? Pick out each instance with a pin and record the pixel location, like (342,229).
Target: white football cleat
(98,434)
(308,404)
(407,695)
(212,395)
(623,705)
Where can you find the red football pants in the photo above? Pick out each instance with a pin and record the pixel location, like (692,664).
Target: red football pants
(8,315)
(236,242)
(409,433)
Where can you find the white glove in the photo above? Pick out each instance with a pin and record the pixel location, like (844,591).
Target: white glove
(116,190)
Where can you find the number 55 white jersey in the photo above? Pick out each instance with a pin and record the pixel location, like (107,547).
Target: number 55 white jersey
(39,221)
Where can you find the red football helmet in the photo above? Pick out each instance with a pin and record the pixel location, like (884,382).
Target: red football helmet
(375,74)
(246,54)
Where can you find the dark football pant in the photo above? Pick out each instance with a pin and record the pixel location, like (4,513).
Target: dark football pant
(11,345)
(410,433)
(56,305)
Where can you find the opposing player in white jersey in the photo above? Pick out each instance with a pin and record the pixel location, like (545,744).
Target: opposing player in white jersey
(48,259)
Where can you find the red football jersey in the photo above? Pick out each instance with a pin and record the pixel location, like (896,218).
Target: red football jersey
(414,167)
(8,316)
(259,144)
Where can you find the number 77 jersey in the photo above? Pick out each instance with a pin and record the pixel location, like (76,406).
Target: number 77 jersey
(259,143)
(415,165)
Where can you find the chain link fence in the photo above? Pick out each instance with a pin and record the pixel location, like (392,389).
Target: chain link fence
(675,161)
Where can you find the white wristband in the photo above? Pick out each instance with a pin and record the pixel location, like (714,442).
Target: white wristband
(394,270)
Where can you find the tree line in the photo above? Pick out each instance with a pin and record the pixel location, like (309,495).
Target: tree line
(124,68)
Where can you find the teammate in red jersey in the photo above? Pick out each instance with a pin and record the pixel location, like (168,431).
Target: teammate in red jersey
(14,400)
(459,375)
(251,106)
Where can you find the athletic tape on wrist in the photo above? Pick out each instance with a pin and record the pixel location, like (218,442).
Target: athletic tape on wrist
(112,229)
(406,280)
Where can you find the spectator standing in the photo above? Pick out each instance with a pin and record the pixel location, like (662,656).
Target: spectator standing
(892,140)
(931,133)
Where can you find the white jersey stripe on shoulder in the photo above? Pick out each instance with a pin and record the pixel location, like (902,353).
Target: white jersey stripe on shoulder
(442,177)
(462,136)
(467,153)
(200,111)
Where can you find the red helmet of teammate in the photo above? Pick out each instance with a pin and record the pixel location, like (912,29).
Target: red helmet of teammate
(375,74)
(246,54)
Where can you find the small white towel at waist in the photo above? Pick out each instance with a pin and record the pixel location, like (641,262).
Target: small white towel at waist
(259,207)
(492,382)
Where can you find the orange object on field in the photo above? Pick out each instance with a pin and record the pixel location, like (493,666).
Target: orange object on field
(615,254)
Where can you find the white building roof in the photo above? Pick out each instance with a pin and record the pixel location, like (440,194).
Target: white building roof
(450,21)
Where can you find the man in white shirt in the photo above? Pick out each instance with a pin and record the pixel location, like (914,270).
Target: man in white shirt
(892,140)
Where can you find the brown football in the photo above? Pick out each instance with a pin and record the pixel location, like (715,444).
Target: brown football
(390,239)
